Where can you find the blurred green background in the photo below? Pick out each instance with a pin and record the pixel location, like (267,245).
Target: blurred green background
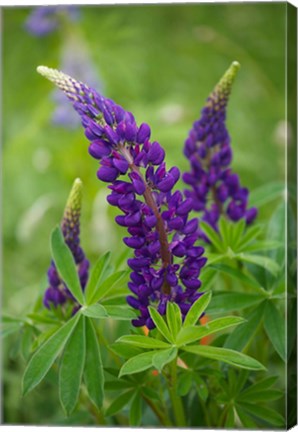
(158,61)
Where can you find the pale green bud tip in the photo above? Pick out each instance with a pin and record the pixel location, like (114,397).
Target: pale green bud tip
(75,197)
(60,79)
(227,79)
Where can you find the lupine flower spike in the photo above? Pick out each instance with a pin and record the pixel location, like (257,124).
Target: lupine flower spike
(155,216)
(214,189)
(57,293)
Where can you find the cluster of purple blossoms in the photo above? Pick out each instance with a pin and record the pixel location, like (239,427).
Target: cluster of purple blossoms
(155,216)
(215,189)
(46,19)
(57,293)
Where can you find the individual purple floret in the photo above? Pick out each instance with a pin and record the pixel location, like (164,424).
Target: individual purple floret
(215,189)
(166,263)
(46,19)
(57,293)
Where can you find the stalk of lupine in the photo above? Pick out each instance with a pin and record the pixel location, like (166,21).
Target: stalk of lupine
(215,189)
(57,293)
(155,216)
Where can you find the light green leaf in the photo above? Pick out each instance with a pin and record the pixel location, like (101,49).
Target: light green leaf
(174,319)
(143,341)
(138,363)
(9,328)
(135,414)
(275,328)
(263,246)
(231,357)
(243,334)
(66,265)
(93,373)
(191,334)
(237,274)
(260,260)
(237,230)
(160,324)
(96,276)
(232,301)
(207,276)
(212,235)
(267,193)
(119,403)
(95,311)
(125,350)
(225,231)
(251,234)
(44,357)
(164,357)
(271,416)
(120,312)
(71,368)
(197,309)
(103,289)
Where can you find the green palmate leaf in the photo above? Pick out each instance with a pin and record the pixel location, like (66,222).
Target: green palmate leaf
(125,350)
(93,373)
(201,387)
(237,274)
(269,415)
(231,357)
(118,385)
(44,357)
(138,363)
(6,319)
(214,257)
(135,414)
(230,417)
(39,318)
(264,194)
(164,357)
(237,230)
(71,368)
(260,260)
(251,234)
(276,232)
(226,301)
(225,231)
(27,340)
(120,402)
(108,285)
(245,418)
(9,328)
(196,310)
(66,265)
(265,395)
(160,324)
(143,341)
(150,393)
(96,276)
(184,383)
(212,235)
(243,334)
(120,312)
(191,333)
(207,276)
(174,319)
(275,328)
(263,246)
(259,386)
(95,311)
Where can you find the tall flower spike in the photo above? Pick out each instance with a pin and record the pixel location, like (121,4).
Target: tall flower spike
(214,189)
(57,292)
(156,218)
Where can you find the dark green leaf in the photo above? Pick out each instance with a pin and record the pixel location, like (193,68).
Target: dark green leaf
(237,274)
(223,302)
(275,328)
(71,368)
(125,350)
(245,418)
(192,333)
(138,363)
(143,341)
(27,340)
(66,265)
(260,385)
(243,334)
(196,310)
(184,383)
(120,403)
(230,418)
(164,357)
(135,415)
(104,288)
(260,260)
(96,276)
(174,319)
(118,385)
(265,395)
(95,311)
(226,355)
(160,324)
(93,373)
(44,357)
(271,416)
(201,387)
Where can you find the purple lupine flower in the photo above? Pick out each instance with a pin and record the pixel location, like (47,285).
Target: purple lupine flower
(214,189)
(57,293)
(46,19)
(166,263)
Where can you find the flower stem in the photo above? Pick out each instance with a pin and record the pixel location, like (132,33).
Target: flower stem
(175,398)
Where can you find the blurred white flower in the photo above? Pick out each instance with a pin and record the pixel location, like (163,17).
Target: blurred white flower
(171,113)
